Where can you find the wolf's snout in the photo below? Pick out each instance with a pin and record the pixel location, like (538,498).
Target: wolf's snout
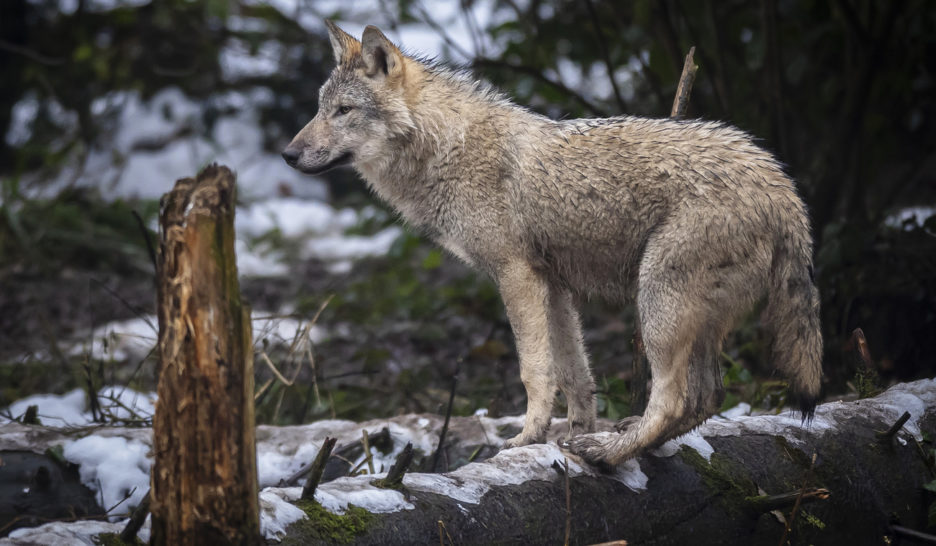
(291,155)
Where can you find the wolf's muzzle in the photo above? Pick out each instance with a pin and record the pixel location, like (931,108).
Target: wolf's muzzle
(291,155)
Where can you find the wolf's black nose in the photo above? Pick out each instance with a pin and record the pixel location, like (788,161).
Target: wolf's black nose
(291,155)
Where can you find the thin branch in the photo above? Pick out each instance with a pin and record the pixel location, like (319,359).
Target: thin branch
(365,441)
(799,500)
(317,467)
(535,73)
(854,24)
(568,495)
(895,428)
(394,479)
(146,237)
(128,535)
(448,416)
(424,15)
(918,535)
(681,101)
(605,54)
(32,55)
(137,312)
(768,503)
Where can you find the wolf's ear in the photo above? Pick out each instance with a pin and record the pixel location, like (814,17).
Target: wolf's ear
(344,46)
(381,57)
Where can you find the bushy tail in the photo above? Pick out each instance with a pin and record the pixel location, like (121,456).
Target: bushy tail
(792,316)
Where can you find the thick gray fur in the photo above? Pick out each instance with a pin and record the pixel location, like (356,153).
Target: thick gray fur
(689,219)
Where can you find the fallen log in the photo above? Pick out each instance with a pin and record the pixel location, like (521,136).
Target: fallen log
(734,480)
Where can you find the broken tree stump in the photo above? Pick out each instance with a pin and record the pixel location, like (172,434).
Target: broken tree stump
(204,478)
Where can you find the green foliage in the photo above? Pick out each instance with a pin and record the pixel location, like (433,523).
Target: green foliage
(113,539)
(813,520)
(171,43)
(867,383)
(74,229)
(406,286)
(743,386)
(931,486)
(613,398)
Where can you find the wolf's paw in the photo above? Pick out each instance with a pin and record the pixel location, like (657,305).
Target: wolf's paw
(625,423)
(577,427)
(589,448)
(523,440)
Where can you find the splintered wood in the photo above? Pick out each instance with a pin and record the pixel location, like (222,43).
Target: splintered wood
(204,478)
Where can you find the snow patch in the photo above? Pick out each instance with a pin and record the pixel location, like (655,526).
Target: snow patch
(71,409)
(347,247)
(691,439)
(157,141)
(277,513)
(335,496)
(283,451)
(631,475)
(72,533)
(738,411)
(114,467)
(914,397)
(509,467)
(910,217)
(293,218)
(54,409)
(133,339)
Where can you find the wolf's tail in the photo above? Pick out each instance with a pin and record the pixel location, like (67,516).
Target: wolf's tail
(792,316)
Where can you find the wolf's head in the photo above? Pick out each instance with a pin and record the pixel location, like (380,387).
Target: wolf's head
(361,106)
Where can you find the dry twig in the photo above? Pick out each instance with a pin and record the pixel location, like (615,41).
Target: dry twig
(681,102)
(316,469)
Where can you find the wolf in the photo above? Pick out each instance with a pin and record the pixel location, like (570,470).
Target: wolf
(690,220)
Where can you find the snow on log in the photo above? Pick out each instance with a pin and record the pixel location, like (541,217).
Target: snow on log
(734,480)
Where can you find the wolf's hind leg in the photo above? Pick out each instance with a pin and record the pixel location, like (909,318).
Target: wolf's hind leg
(570,362)
(526,298)
(669,328)
(706,388)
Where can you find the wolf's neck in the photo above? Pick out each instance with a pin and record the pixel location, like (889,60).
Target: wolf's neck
(456,126)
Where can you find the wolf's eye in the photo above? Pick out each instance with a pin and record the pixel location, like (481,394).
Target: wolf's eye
(344,109)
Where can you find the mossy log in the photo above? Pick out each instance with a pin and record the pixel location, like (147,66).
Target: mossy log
(204,479)
(725,486)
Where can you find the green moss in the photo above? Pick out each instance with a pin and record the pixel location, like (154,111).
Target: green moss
(323,526)
(726,479)
(867,383)
(113,539)
(794,453)
(813,520)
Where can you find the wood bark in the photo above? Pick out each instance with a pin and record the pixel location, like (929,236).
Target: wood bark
(857,490)
(204,478)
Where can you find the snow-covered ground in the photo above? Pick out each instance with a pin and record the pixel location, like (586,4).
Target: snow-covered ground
(116,461)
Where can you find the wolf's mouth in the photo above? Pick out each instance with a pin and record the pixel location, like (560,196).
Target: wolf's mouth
(342,159)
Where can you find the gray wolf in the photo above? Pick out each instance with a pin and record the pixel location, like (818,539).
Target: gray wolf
(689,219)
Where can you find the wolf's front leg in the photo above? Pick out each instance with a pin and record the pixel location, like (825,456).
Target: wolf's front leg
(526,297)
(570,364)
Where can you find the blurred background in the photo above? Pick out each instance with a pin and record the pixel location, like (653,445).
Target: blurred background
(105,103)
